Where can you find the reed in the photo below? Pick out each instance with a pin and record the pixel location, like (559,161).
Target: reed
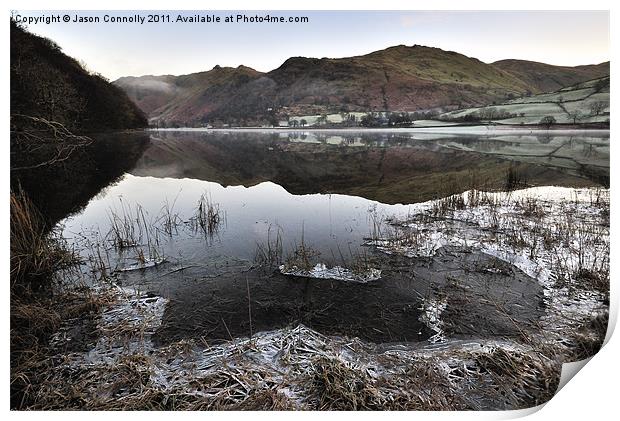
(208,216)
(36,252)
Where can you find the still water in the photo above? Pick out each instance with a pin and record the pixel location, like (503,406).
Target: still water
(328,190)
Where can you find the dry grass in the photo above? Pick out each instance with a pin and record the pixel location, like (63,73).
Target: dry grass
(130,230)
(302,258)
(339,386)
(441,207)
(126,230)
(34,320)
(522,379)
(36,253)
(297,368)
(38,304)
(531,207)
(169,219)
(589,338)
(269,253)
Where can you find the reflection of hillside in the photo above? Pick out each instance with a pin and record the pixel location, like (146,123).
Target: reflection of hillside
(578,156)
(391,169)
(65,187)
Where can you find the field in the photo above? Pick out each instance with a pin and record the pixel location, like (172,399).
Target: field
(586,102)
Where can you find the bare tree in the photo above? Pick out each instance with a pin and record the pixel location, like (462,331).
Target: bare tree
(34,136)
(576,116)
(321,120)
(597,107)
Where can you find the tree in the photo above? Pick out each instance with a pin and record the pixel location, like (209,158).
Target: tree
(597,107)
(303,122)
(547,121)
(370,120)
(395,119)
(576,116)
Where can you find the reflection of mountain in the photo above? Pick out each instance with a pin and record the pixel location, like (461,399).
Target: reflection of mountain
(379,166)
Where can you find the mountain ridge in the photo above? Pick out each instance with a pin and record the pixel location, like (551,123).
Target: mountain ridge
(398,78)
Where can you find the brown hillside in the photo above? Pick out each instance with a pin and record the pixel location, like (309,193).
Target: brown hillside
(398,78)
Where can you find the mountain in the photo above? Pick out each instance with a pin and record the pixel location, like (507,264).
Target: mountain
(186,98)
(47,84)
(399,78)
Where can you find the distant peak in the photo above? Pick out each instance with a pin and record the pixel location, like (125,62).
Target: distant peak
(243,68)
(409,49)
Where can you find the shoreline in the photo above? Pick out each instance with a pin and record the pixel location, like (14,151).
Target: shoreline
(453,129)
(305,353)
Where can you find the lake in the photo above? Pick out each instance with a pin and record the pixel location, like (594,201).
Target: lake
(268,194)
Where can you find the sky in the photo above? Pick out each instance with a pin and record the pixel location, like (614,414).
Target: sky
(567,38)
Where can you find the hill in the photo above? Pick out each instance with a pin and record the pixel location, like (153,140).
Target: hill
(399,78)
(186,99)
(59,113)
(583,103)
(547,78)
(47,84)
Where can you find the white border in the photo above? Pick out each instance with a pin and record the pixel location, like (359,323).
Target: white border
(592,393)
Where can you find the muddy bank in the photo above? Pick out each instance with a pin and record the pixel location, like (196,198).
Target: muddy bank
(479,295)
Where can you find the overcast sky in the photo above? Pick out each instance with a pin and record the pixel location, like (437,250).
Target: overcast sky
(114,50)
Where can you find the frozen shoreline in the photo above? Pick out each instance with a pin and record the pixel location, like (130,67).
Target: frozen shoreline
(291,355)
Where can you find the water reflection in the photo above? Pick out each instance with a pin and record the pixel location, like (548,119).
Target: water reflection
(329,223)
(326,189)
(66,186)
(388,167)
